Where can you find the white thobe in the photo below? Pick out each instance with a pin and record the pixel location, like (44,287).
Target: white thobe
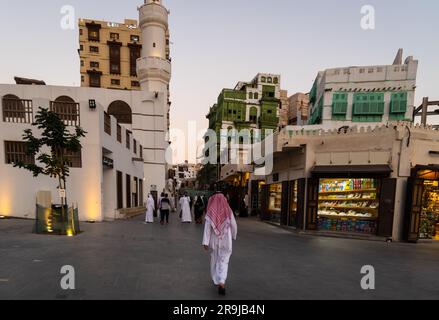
(186,210)
(220,249)
(150,207)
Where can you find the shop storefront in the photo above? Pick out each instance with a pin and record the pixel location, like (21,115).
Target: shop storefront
(348,205)
(274,202)
(422,213)
(284,203)
(351,199)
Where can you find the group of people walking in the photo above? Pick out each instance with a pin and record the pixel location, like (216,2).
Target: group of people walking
(166,205)
(220,227)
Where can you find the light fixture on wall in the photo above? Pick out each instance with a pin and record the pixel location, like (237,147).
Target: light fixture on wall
(92,103)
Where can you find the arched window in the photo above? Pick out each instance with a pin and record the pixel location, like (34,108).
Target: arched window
(256,95)
(121,111)
(250,95)
(270,80)
(13,109)
(276,80)
(263,79)
(67,109)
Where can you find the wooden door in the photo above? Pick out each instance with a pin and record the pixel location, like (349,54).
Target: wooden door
(285,207)
(387,208)
(264,203)
(301,190)
(312,204)
(415,190)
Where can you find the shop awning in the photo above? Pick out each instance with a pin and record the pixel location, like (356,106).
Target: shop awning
(360,171)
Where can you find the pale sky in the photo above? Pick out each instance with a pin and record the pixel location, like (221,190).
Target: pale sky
(215,44)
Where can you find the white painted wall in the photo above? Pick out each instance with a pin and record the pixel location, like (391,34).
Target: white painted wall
(85,185)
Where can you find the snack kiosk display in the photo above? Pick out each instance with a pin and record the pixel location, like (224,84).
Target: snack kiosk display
(351,199)
(348,205)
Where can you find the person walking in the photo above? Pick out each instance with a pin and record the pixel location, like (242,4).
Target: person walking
(186,215)
(172,199)
(165,207)
(219,232)
(199,208)
(159,203)
(150,208)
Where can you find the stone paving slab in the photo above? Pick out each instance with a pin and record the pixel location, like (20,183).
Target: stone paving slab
(131,260)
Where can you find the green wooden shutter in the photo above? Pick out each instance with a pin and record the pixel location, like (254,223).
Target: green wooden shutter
(339,106)
(398,106)
(368,107)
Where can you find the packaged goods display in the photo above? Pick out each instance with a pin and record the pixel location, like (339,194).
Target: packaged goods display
(348,205)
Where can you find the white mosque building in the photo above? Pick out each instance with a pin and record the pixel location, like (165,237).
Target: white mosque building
(119,164)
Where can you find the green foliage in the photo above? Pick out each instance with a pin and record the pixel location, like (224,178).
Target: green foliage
(57,140)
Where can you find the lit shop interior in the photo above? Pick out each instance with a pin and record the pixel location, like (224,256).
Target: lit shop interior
(279,194)
(429,228)
(428,180)
(275,202)
(349,205)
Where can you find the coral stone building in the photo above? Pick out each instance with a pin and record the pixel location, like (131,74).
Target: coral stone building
(367,182)
(250,105)
(369,94)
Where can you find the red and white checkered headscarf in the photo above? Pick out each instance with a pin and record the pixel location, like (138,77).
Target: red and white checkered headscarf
(219,213)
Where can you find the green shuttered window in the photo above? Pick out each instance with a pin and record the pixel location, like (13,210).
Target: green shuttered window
(368,107)
(398,106)
(339,106)
(317,115)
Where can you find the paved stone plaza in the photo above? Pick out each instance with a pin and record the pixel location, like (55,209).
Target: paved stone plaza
(130,260)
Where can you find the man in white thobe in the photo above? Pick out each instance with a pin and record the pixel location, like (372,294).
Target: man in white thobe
(219,232)
(186,215)
(150,208)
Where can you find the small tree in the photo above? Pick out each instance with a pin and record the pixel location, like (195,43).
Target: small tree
(59,142)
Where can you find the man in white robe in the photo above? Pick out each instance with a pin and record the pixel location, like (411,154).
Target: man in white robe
(219,231)
(186,215)
(150,208)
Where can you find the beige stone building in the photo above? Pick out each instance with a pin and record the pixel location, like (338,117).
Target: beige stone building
(298,109)
(109,51)
(284,108)
(369,182)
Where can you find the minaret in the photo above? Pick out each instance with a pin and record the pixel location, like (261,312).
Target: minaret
(154,67)
(150,119)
